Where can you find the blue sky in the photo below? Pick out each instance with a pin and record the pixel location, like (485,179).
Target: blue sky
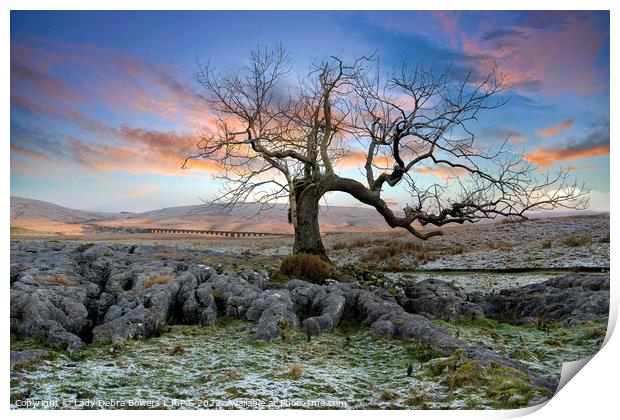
(104,107)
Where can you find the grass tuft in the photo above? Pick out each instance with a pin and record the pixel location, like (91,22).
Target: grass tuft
(500,245)
(177,350)
(160,279)
(296,371)
(388,395)
(574,240)
(58,279)
(306,266)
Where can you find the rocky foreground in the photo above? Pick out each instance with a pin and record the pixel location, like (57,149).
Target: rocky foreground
(67,295)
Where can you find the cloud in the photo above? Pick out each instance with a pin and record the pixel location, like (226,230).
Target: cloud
(68,83)
(72,82)
(555,129)
(535,52)
(34,169)
(552,53)
(449,20)
(501,134)
(547,157)
(443,172)
(577,168)
(60,113)
(395,43)
(31,154)
(595,143)
(22,74)
(31,142)
(142,155)
(56,74)
(141,191)
(503,34)
(123,148)
(391,202)
(356,158)
(126,148)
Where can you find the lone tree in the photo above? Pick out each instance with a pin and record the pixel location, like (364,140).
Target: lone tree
(278,138)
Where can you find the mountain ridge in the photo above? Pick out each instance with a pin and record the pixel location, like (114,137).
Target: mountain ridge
(200,216)
(41,215)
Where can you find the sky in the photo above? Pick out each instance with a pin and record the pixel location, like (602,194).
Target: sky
(104,105)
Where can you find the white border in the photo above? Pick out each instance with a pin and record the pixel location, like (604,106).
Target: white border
(593,394)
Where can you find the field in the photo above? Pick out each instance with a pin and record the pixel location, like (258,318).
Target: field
(217,325)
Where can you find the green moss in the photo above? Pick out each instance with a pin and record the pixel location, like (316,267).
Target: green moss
(504,387)
(506,382)
(463,373)
(363,275)
(255,263)
(231,375)
(595,334)
(541,351)
(423,353)
(234,392)
(419,400)
(222,322)
(478,322)
(522,353)
(32,365)
(278,277)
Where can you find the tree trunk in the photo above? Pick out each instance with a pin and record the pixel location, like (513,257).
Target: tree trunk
(292,205)
(307,233)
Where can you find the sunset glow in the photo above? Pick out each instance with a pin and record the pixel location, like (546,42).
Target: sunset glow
(105,108)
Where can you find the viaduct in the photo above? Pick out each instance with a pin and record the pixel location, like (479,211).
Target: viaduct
(221,233)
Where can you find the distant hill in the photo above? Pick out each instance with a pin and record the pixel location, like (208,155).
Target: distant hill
(273,219)
(43,216)
(27,208)
(217,217)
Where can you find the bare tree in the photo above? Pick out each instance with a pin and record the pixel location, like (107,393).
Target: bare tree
(277,138)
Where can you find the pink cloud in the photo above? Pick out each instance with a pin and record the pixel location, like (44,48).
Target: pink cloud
(557,59)
(546,157)
(134,158)
(141,191)
(443,172)
(555,129)
(124,84)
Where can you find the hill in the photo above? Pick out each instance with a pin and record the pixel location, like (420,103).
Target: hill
(27,208)
(44,216)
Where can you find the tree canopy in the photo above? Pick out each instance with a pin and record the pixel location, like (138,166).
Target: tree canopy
(277,138)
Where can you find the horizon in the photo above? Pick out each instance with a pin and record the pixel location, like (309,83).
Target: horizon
(559,212)
(101,120)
